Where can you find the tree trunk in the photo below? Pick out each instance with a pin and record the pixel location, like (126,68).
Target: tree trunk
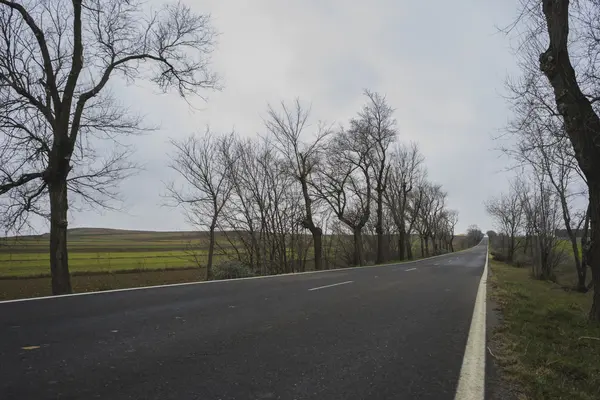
(408,242)
(211,251)
(427,246)
(452,244)
(594,247)
(358,247)
(581,269)
(317,235)
(585,246)
(582,124)
(422,247)
(59,259)
(379,258)
(511,249)
(401,244)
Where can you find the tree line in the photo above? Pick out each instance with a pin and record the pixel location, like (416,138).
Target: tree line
(356,182)
(60,145)
(554,142)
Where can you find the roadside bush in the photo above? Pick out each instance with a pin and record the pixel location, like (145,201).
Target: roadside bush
(498,256)
(231,269)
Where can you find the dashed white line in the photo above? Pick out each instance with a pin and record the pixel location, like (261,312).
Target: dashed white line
(410,269)
(328,286)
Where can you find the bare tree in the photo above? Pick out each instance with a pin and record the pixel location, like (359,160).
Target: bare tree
(377,118)
(564,35)
(406,162)
(542,210)
(301,160)
(507,211)
(542,142)
(344,182)
(204,162)
(56,59)
(474,235)
(451,221)
(413,209)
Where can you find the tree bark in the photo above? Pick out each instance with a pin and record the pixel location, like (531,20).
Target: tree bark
(585,246)
(401,244)
(358,247)
(59,259)
(594,248)
(317,234)
(379,259)
(511,250)
(211,251)
(408,243)
(582,124)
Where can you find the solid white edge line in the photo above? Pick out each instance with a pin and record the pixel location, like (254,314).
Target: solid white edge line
(471,382)
(328,286)
(225,280)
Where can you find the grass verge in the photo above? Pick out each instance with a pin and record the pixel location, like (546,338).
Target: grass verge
(545,343)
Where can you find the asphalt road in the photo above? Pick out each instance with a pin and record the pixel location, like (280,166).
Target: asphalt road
(385,332)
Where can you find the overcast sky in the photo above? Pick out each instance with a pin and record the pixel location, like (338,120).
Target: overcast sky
(442,64)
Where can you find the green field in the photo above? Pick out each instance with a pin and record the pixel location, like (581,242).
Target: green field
(93,250)
(102,250)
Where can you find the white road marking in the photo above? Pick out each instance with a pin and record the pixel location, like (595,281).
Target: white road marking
(471,383)
(328,286)
(410,269)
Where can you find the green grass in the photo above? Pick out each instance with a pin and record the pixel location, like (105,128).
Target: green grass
(106,250)
(545,343)
(36,264)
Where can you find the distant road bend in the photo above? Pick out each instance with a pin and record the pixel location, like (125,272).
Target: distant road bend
(388,332)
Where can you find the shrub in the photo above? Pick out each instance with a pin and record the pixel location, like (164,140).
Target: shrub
(498,256)
(231,269)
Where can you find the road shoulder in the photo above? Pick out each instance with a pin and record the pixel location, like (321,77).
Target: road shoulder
(497,387)
(543,345)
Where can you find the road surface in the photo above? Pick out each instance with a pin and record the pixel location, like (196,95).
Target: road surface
(388,332)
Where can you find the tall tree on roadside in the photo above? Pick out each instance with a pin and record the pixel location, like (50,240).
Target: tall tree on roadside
(575,93)
(406,162)
(205,163)
(507,210)
(377,118)
(56,59)
(451,221)
(344,182)
(301,159)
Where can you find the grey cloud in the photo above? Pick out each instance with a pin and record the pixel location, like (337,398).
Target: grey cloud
(441,64)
